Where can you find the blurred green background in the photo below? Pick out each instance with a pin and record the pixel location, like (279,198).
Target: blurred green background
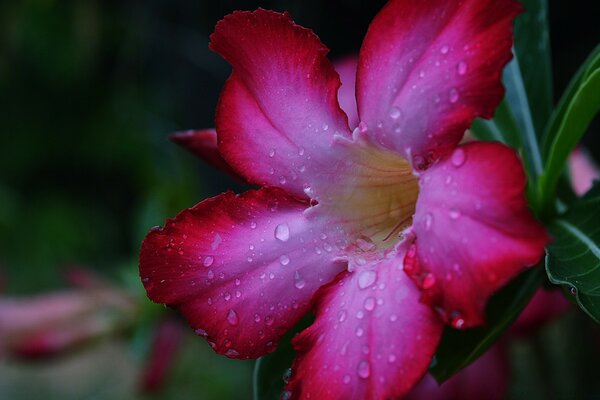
(89,91)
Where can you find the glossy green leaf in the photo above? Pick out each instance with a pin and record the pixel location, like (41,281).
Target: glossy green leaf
(270,371)
(589,65)
(459,348)
(502,128)
(579,112)
(532,47)
(573,258)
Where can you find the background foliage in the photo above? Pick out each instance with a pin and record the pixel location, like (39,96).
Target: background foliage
(89,92)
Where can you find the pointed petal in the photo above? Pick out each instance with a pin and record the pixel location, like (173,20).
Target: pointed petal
(241,269)
(203,144)
(372,338)
(474,230)
(278,111)
(428,68)
(346,68)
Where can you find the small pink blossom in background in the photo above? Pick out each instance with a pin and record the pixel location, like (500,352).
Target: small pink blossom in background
(386,229)
(51,323)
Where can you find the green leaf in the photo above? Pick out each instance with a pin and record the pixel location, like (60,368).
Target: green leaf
(270,370)
(579,112)
(518,102)
(532,47)
(573,258)
(589,65)
(459,348)
(502,128)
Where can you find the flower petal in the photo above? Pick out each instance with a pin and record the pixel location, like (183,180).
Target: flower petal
(241,269)
(346,68)
(474,230)
(280,101)
(203,144)
(428,68)
(372,338)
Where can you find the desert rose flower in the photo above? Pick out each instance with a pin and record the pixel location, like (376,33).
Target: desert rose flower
(386,231)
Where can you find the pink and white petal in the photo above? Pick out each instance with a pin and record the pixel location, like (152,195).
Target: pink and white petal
(241,269)
(372,338)
(428,68)
(474,230)
(278,112)
(203,144)
(582,171)
(346,68)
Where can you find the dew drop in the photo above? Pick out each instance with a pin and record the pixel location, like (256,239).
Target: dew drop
(301,151)
(231,353)
(284,260)
(282,232)
(253,225)
(271,153)
(395,113)
(457,322)
(362,127)
(287,374)
(427,221)
(342,316)
(268,320)
(391,358)
(346,379)
(369,304)
(232,318)
(458,157)
(364,370)
(210,274)
(325,127)
(359,332)
(208,260)
(366,279)
(453,95)
(256,318)
(454,213)
(360,314)
(227,296)
(428,281)
(444,49)
(393,318)
(462,68)
(298,280)
(201,332)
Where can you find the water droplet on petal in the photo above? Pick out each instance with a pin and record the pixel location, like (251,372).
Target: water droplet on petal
(298,280)
(366,279)
(227,296)
(362,127)
(427,221)
(393,318)
(346,379)
(454,213)
(360,314)
(232,318)
(210,274)
(201,332)
(395,113)
(458,157)
(359,332)
(253,225)
(453,95)
(271,153)
(364,370)
(391,358)
(444,49)
(325,127)
(287,374)
(284,260)
(208,260)
(282,232)
(428,281)
(462,68)
(369,304)
(231,353)
(342,316)
(300,151)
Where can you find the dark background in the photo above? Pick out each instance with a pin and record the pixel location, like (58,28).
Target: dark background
(90,90)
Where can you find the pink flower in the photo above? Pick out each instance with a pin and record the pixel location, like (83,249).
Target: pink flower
(385,231)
